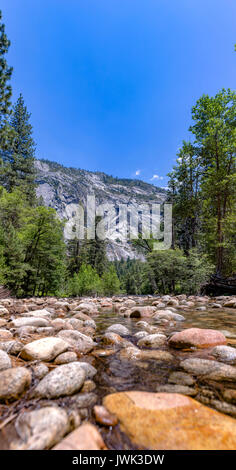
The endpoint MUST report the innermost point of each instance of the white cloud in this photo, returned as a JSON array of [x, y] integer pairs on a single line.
[[137, 172], [157, 177]]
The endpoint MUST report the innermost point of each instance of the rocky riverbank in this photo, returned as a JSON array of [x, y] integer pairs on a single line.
[[118, 373]]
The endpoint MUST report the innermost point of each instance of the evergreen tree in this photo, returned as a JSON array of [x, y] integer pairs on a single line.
[[215, 133], [6, 133], [183, 193], [20, 171], [96, 252], [32, 248]]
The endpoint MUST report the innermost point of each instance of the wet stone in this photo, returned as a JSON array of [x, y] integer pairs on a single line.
[[181, 378], [103, 417], [224, 354], [211, 370], [119, 329], [84, 400], [174, 388]]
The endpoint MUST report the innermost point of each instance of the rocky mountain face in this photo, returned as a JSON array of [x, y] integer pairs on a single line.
[[64, 188]]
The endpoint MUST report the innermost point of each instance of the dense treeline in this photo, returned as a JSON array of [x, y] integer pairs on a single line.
[[36, 260]]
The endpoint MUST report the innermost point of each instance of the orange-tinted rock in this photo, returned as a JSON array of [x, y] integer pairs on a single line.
[[171, 422], [197, 337], [102, 352], [103, 416], [85, 437]]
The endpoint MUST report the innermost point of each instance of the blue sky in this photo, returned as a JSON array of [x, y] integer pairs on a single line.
[[110, 83]]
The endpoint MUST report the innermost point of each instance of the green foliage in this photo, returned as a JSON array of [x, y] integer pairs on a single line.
[[130, 274], [19, 160], [110, 281], [171, 271], [5, 90], [202, 185], [88, 251], [32, 249], [215, 133], [86, 282]]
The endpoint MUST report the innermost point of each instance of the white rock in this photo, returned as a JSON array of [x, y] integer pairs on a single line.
[[44, 349]]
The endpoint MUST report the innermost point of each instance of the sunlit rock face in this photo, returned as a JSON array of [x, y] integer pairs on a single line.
[[64, 188]]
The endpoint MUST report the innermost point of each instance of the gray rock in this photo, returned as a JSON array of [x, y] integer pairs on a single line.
[[3, 311], [153, 341], [41, 429], [119, 329], [11, 347], [24, 331], [90, 323], [66, 357], [230, 395], [84, 400], [48, 330], [89, 370], [141, 334], [181, 378], [75, 323], [29, 321], [64, 380], [40, 370], [174, 388], [13, 382], [5, 361], [221, 406], [211, 370], [43, 313], [168, 315], [77, 340], [142, 324], [225, 354], [44, 349], [5, 334]]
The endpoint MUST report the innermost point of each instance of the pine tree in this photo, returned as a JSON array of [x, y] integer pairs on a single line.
[[215, 134], [20, 160], [96, 252], [6, 133]]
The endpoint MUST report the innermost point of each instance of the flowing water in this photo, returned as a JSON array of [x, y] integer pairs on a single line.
[[116, 375]]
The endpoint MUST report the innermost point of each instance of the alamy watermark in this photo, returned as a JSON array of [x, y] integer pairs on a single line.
[[121, 222]]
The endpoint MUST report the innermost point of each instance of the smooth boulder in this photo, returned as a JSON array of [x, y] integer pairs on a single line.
[[77, 340], [197, 338], [225, 354], [41, 429], [62, 381], [211, 370], [44, 349], [152, 341], [5, 361], [85, 437], [168, 421], [13, 382]]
